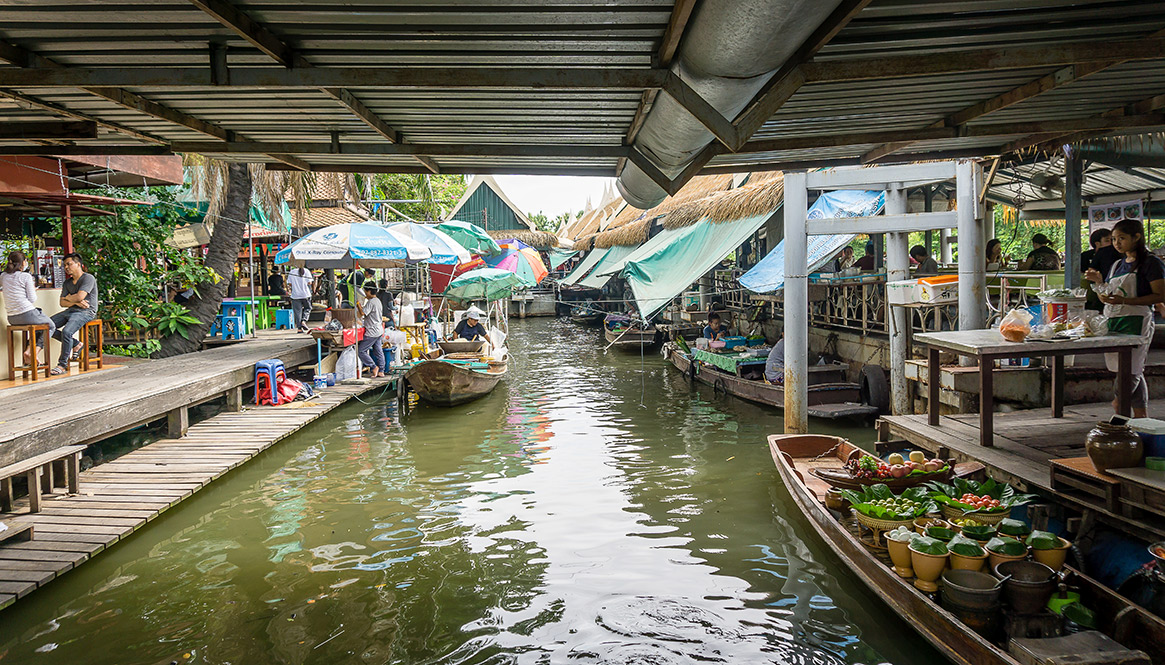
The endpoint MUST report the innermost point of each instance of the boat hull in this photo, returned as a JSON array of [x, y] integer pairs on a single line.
[[827, 399], [632, 340], [446, 384]]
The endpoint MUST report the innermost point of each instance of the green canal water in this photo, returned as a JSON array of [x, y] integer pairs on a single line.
[[593, 509]]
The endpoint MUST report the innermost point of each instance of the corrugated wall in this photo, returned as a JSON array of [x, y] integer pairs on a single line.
[[489, 211]]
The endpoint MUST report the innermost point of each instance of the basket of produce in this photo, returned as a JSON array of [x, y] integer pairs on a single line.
[[879, 510], [987, 502], [896, 472]]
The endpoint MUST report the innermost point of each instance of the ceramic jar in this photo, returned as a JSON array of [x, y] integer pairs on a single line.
[[1114, 447]]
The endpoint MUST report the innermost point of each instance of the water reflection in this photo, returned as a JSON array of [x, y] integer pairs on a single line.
[[594, 509]]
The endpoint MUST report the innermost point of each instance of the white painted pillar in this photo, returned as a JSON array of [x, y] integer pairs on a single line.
[[796, 305], [972, 248], [944, 246], [897, 318]]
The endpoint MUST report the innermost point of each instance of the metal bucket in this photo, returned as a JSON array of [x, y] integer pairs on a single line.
[[973, 597], [1027, 585]]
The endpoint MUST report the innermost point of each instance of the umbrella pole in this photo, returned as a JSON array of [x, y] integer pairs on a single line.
[[251, 267]]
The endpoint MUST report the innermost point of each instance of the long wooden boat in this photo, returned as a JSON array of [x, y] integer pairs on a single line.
[[449, 384], [632, 339], [587, 317], [796, 455], [830, 395]]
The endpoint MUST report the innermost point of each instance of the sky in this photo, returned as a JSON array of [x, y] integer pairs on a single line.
[[552, 195]]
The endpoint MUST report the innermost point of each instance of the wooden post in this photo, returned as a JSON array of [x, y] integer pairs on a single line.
[[933, 376], [33, 476], [177, 422], [235, 399], [66, 229], [73, 472], [1073, 174], [6, 495]]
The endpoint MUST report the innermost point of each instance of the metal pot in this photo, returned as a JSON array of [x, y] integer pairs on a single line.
[[973, 597], [1027, 585]]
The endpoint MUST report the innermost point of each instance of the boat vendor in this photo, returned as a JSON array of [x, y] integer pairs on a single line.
[[715, 329], [775, 365], [1131, 289], [470, 328], [371, 348]]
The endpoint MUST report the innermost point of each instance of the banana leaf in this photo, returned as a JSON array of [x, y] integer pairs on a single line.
[[926, 545], [960, 544], [1013, 527], [1005, 494], [1006, 546], [865, 502], [1043, 540]]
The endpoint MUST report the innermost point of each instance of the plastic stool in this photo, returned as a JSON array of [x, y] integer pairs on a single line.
[[232, 327], [92, 339], [268, 374], [28, 333], [283, 319], [216, 327]]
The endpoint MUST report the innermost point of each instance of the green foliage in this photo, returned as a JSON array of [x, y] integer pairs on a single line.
[[964, 546], [128, 254], [1004, 493], [932, 546], [544, 223], [173, 318], [143, 350], [1043, 540], [1006, 547], [420, 197], [979, 531], [879, 501], [1012, 527]]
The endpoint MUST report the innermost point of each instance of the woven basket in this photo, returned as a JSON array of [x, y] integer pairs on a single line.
[[880, 524], [952, 513]]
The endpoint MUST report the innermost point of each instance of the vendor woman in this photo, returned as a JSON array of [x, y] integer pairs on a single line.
[[1135, 285], [470, 327], [715, 329]]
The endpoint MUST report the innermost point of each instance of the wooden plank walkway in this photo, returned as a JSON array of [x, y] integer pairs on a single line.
[[123, 495], [39, 417]]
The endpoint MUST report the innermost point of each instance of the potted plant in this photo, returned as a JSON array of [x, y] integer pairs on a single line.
[[1049, 549], [1001, 550], [966, 554], [928, 557]]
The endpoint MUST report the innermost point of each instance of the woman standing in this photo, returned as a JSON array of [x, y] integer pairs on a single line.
[[19, 291], [1134, 285]]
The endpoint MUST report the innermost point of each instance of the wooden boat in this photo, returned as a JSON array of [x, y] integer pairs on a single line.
[[448, 384], [632, 339], [461, 346], [586, 317], [797, 455], [830, 395]]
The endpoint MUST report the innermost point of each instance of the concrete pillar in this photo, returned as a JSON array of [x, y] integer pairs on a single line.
[[879, 251], [1073, 174], [972, 247], [897, 318], [705, 299], [796, 305], [944, 246]]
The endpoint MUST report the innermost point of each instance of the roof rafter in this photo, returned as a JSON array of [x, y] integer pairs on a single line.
[[681, 13]]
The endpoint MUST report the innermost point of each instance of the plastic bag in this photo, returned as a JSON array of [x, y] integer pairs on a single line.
[[1016, 325], [348, 366]]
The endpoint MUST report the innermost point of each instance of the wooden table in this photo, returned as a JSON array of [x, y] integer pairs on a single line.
[[989, 346]]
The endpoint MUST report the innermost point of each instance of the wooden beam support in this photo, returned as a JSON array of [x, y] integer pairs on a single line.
[[790, 77], [693, 168], [49, 129], [708, 116], [681, 13], [366, 167], [294, 162], [1051, 140], [410, 149], [651, 170], [429, 163], [645, 102], [53, 107], [149, 107], [361, 111], [247, 28]]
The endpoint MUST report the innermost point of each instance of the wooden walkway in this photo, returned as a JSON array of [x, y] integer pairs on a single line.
[[40, 417], [121, 496]]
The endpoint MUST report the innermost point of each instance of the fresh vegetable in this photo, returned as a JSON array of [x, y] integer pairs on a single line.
[[1006, 546], [964, 546], [932, 546], [986, 497], [902, 535], [942, 533], [1043, 540], [869, 466], [1012, 527], [879, 502]]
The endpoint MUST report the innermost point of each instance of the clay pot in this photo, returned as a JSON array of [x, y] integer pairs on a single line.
[[1053, 558], [1114, 447], [900, 556], [1028, 586], [994, 559], [920, 524], [927, 569], [960, 562], [835, 501]]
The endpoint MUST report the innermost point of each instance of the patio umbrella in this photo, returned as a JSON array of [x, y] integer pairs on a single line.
[[525, 263], [470, 236], [345, 245], [483, 284], [446, 250]]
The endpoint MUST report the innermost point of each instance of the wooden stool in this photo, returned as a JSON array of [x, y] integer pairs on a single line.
[[92, 336], [28, 333]]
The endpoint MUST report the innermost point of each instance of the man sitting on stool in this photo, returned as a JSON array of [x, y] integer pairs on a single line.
[[470, 327], [79, 295]]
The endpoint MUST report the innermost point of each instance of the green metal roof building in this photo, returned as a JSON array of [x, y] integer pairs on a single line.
[[486, 205]]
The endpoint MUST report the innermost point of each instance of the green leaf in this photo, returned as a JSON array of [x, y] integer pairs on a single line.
[[965, 546], [979, 531], [940, 532], [1012, 527], [927, 545], [1006, 546], [1043, 540], [1080, 615]]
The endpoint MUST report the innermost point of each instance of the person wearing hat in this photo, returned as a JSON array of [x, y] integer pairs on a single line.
[[1042, 257], [372, 316], [470, 328]]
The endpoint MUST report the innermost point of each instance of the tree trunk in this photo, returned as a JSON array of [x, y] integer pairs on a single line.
[[223, 252]]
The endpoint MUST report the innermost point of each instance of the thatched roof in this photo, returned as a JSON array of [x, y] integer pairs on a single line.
[[535, 239], [592, 221], [628, 235], [696, 189], [762, 194]]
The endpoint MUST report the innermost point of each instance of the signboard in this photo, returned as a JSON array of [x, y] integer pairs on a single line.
[[191, 235], [1106, 216]]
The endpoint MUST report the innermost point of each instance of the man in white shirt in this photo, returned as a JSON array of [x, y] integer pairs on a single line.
[[300, 285]]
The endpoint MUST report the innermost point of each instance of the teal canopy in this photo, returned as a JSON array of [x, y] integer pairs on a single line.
[[560, 256], [470, 236], [483, 284], [583, 268], [600, 275], [667, 270], [658, 240]]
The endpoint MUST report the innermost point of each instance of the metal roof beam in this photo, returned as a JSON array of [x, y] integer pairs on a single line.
[[521, 78], [1124, 159], [381, 149], [48, 129], [1047, 140]]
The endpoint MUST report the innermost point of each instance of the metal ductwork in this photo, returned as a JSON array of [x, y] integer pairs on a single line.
[[729, 52]]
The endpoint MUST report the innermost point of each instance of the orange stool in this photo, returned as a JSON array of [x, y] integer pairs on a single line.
[[28, 333], [92, 337]]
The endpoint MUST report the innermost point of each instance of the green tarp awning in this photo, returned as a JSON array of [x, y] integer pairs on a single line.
[[601, 274], [658, 240], [665, 272], [583, 268], [560, 256]]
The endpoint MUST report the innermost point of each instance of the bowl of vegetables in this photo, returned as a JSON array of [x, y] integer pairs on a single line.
[[879, 509], [987, 502], [896, 471]]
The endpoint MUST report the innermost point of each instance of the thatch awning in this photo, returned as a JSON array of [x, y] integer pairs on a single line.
[[537, 239]]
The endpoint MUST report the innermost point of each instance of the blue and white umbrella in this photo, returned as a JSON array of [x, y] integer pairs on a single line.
[[446, 251], [345, 245]]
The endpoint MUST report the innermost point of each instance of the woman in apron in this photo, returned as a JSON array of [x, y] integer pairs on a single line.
[[1135, 284]]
